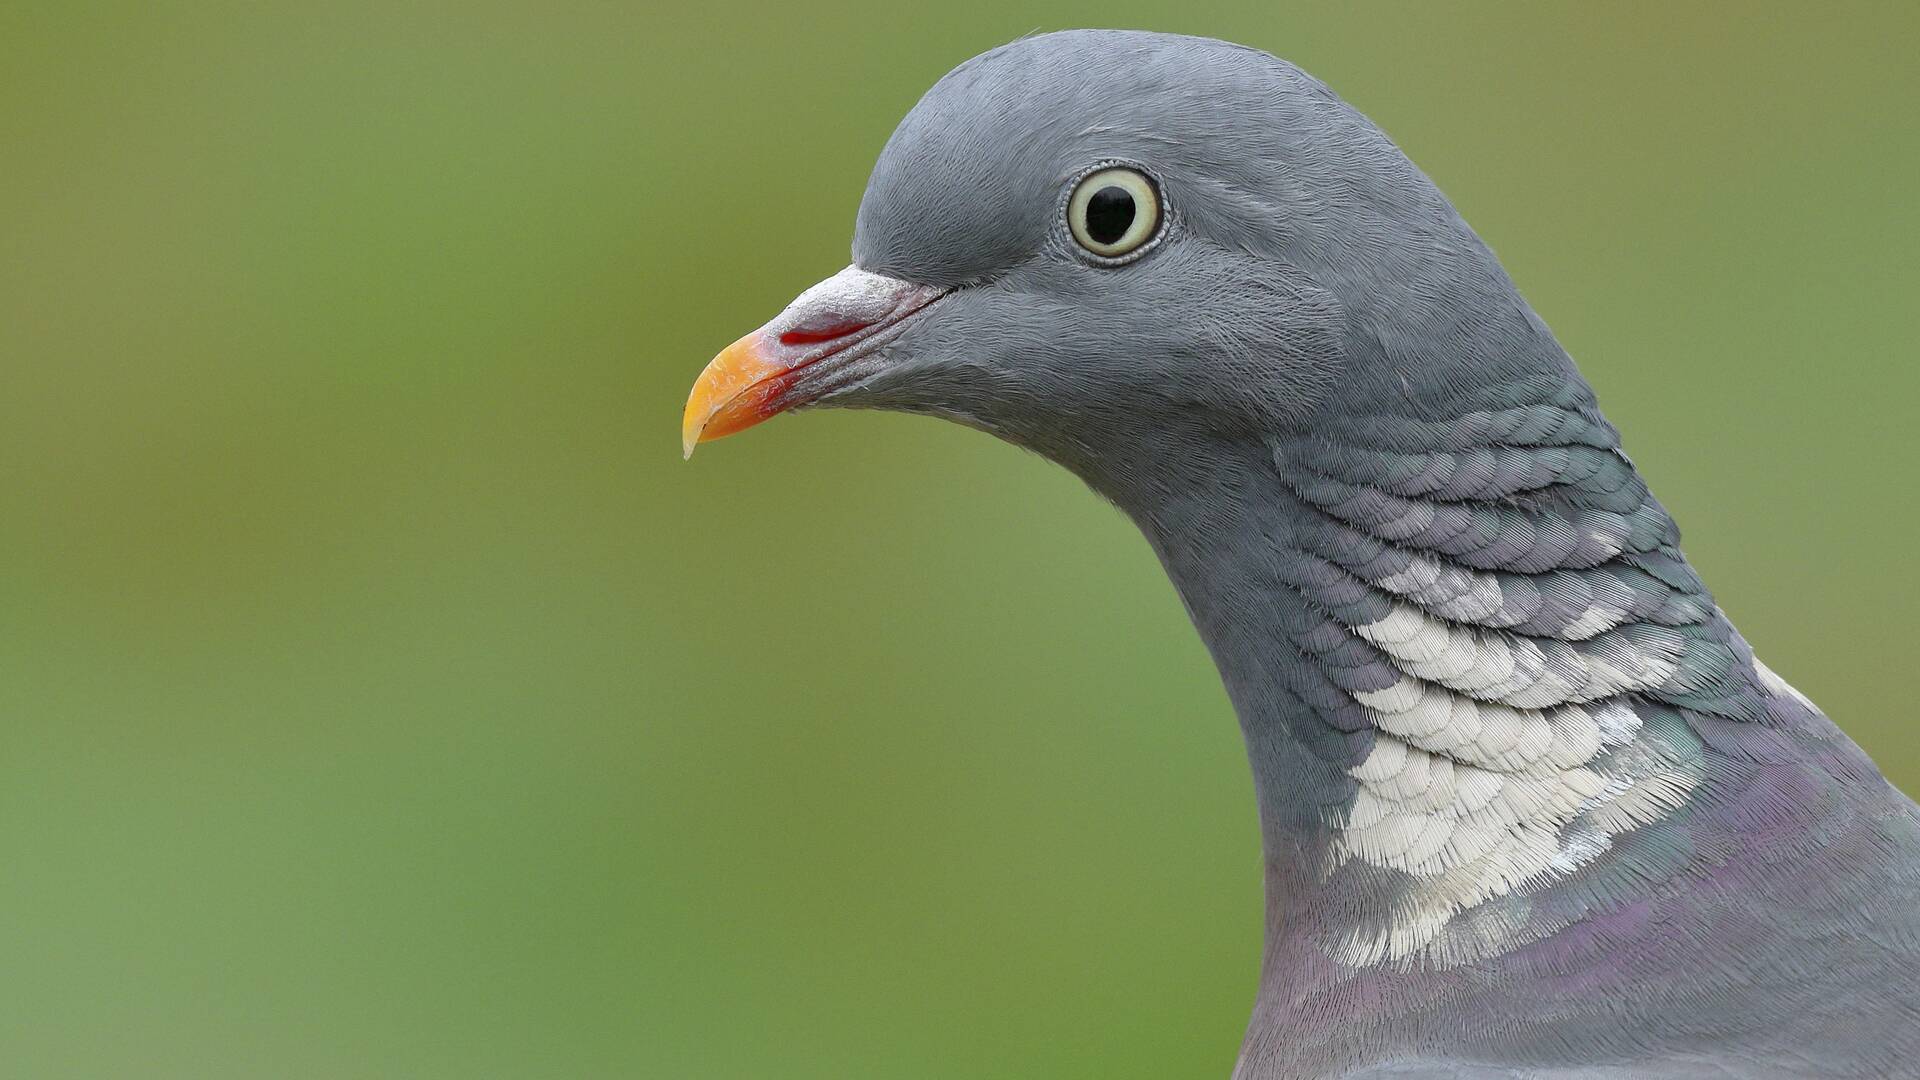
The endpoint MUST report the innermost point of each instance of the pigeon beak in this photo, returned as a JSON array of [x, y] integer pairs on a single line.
[[848, 315]]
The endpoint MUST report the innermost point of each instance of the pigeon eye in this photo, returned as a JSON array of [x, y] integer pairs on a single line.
[[1113, 212]]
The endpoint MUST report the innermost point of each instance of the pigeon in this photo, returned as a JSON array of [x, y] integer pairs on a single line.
[[1530, 806]]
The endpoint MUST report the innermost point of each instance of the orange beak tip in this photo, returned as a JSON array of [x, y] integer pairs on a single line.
[[730, 395], [691, 426]]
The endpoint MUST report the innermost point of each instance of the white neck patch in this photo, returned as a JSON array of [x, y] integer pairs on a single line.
[[1501, 763]]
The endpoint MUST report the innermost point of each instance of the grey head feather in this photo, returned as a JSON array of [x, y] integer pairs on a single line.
[[1530, 806]]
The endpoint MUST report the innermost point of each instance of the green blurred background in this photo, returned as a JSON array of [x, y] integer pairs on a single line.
[[382, 697]]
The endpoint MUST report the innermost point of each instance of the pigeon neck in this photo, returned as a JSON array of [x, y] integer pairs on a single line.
[[1222, 533], [1220, 526], [1454, 646]]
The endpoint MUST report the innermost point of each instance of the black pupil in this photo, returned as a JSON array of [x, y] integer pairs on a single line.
[[1109, 214]]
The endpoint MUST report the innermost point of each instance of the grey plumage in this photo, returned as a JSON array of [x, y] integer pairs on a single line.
[[1530, 805]]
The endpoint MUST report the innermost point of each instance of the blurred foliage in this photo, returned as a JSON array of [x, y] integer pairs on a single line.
[[382, 697]]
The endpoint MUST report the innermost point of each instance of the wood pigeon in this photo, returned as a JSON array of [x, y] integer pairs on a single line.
[[1530, 805]]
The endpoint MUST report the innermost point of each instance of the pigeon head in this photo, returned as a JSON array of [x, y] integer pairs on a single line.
[[1111, 246]]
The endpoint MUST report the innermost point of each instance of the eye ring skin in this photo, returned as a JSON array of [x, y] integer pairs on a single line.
[[1151, 213]]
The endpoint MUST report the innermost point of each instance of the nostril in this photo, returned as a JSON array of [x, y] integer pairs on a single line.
[[826, 330]]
